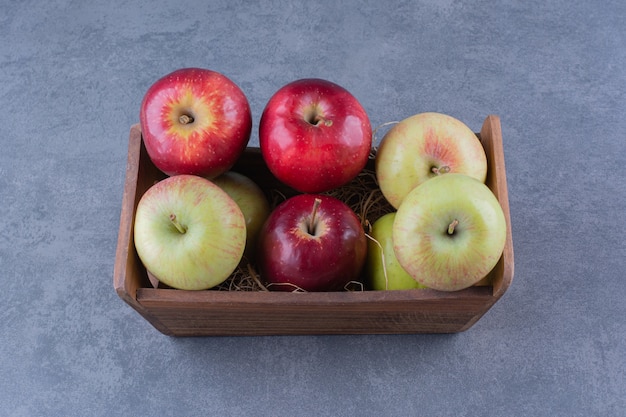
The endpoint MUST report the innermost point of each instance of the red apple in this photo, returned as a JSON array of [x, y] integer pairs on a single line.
[[314, 135], [195, 121], [311, 242]]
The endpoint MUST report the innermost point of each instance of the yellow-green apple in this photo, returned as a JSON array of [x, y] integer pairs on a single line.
[[423, 146], [311, 242], [251, 200], [449, 232], [384, 272], [314, 135], [189, 233], [195, 121]]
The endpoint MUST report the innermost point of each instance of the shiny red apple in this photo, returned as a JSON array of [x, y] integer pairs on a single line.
[[312, 243], [314, 135], [195, 121]]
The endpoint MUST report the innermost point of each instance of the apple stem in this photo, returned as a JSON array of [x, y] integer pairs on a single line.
[[452, 225], [441, 170], [319, 119], [182, 229], [316, 119], [185, 119], [313, 220]]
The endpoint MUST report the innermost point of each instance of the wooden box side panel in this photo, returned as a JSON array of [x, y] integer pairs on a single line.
[[491, 139], [129, 273], [321, 313], [125, 263]]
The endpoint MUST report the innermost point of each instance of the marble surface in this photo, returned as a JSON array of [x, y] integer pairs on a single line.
[[72, 76]]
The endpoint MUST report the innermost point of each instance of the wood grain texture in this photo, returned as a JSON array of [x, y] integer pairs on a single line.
[[491, 139], [217, 313]]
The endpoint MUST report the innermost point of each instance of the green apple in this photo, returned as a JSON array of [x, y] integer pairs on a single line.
[[384, 272], [424, 146], [252, 202], [449, 232], [189, 233]]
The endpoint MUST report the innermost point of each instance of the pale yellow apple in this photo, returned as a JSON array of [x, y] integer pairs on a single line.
[[449, 232], [383, 269], [423, 146], [251, 200], [189, 233]]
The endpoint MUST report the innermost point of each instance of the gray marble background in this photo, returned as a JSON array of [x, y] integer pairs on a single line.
[[72, 75]]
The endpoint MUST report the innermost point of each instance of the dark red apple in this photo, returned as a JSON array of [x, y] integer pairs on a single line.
[[314, 135], [311, 242], [195, 121]]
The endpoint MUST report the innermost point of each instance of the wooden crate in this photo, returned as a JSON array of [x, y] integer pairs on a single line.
[[212, 313]]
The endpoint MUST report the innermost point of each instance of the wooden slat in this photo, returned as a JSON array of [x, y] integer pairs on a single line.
[[491, 138], [263, 313]]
